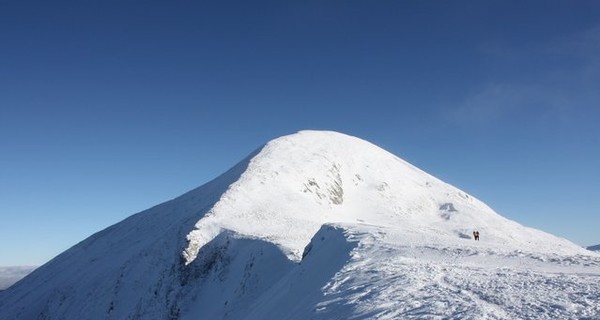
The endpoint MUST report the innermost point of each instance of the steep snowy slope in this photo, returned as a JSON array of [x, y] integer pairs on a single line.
[[315, 225], [310, 178]]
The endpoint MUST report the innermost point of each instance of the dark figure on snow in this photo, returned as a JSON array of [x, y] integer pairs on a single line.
[[476, 235]]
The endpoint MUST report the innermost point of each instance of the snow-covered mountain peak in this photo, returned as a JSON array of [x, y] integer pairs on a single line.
[[315, 225], [297, 183]]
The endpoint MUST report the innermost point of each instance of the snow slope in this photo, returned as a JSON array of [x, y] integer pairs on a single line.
[[315, 225]]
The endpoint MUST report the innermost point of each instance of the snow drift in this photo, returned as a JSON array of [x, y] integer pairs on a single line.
[[315, 225]]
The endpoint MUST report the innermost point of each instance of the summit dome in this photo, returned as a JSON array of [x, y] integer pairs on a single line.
[[315, 225]]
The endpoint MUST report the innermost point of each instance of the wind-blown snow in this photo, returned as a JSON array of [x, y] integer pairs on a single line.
[[315, 225]]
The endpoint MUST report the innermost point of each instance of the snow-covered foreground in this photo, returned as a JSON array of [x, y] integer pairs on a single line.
[[315, 225], [385, 279], [372, 272]]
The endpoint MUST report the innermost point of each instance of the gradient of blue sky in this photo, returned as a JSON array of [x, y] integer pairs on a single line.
[[110, 107]]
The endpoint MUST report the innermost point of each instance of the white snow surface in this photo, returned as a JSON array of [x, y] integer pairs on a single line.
[[315, 225]]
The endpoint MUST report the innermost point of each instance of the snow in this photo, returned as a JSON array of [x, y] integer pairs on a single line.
[[388, 280], [312, 178], [315, 225]]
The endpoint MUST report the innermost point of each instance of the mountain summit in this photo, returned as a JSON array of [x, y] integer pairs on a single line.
[[299, 182], [315, 225]]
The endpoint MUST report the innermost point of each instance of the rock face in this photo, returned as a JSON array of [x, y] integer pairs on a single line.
[[315, 225]]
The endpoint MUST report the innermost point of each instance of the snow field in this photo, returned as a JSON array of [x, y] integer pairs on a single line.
[[386, 280]]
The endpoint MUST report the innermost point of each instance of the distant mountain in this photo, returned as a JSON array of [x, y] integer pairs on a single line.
[[594, 248], [10, 275], [315, 225]]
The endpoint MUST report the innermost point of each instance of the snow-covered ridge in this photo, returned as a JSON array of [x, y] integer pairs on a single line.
[[297, 183], [315, 225]]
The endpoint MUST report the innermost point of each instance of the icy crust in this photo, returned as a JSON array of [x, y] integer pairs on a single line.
[[297, 183]]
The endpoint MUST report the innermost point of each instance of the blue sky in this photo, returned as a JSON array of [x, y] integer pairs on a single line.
[[110, 107]]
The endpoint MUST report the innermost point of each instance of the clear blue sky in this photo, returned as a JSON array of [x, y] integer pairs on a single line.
[[110, 107]]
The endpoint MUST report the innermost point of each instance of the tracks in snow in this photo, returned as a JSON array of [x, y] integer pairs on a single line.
[[389, 281]]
